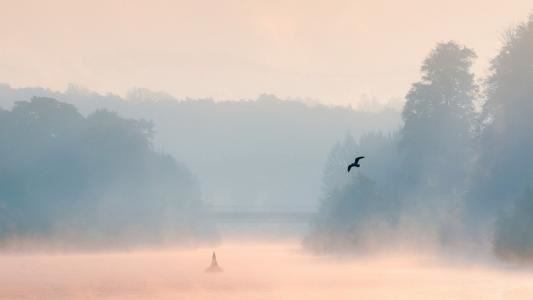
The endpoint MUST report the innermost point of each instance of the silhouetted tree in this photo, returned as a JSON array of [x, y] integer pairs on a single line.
[[505, 169], [416, 179], [506, 142], [435, 140]]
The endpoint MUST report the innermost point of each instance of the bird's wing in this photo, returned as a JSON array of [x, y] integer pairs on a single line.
[[350, 166], [359, 158]]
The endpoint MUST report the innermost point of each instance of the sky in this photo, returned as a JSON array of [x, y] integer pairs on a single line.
[[336, 52]]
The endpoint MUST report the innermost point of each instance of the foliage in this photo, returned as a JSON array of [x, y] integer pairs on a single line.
[[92, 179]]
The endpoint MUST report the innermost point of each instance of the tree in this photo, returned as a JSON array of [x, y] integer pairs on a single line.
[[514, 238], [435, 140], [506, 142], [340, 155], [357, 205], [93, 181]]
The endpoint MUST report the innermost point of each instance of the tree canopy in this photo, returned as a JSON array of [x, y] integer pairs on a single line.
[[91, 179]]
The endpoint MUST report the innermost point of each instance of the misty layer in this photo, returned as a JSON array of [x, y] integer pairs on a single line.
[[261, 154], [453, 176], [90, 181]]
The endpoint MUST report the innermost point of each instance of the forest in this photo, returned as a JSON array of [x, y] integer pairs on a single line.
[[456, 176], [70, 180]]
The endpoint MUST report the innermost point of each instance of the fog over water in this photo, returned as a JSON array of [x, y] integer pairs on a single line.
[[254, 270]]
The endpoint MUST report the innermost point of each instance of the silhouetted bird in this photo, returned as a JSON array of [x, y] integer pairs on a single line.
[[355, 163]]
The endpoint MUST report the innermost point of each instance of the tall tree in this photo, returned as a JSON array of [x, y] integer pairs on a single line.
[[436, 137], [506, 143]]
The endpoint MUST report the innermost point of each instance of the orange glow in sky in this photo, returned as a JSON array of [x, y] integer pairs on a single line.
[[334, 51]]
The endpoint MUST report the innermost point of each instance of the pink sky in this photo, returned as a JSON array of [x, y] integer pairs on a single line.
[[334, 51]]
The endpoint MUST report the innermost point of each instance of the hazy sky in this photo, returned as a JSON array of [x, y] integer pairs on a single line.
[[334, 50]]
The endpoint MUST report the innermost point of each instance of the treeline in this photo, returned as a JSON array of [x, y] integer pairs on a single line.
[[91, 181], [259, 154], [456, 175]]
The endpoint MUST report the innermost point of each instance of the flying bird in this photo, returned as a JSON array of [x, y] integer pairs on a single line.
[[355, 163]]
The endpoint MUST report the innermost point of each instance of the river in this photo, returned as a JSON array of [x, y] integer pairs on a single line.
[[252, 270]]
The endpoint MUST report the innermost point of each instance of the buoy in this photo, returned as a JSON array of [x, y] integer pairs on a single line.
[[214, 268]]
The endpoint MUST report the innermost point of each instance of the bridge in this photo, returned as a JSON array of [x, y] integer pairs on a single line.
[[263, 216]]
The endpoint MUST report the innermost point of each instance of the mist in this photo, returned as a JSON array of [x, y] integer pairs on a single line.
[[242, 151], [93, 181], [133, 195], [454, 177]]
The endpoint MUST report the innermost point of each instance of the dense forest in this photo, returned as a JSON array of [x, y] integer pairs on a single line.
[[88, 181], [456, 175]]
